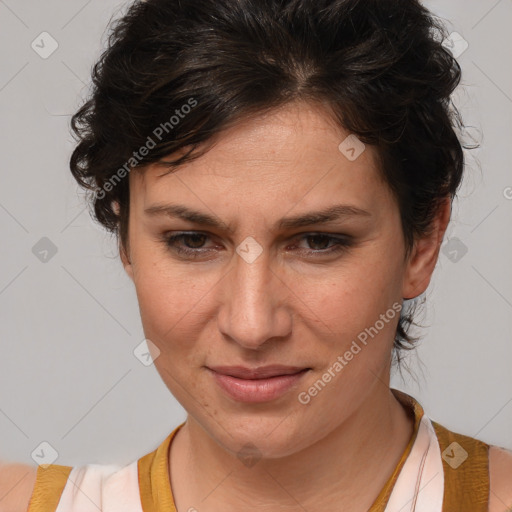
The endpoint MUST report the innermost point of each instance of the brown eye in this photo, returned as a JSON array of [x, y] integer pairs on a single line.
[[322, 244], [318, 240], [187, 244], [193, 244], [197, 240]]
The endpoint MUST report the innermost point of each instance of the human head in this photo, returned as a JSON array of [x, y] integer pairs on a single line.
[[196, 67]]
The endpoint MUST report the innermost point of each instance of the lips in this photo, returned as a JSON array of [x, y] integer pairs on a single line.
[[257, 385], [262, 372]]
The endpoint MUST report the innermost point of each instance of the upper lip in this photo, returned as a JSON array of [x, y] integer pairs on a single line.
[[262, 372]]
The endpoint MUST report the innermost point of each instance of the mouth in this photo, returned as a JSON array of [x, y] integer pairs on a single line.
[[259, 384], [262, 372]]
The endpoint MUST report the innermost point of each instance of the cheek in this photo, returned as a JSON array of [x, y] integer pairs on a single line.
[[356, 296], [170, 308], [361, 308], [171, 311], [170, 301]]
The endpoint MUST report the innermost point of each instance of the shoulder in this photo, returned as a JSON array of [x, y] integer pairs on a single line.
[[476, 473], [16, 484], [25, 488], [500, 474]]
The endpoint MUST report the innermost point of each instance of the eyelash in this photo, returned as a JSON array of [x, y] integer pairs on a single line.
[[169, 241]]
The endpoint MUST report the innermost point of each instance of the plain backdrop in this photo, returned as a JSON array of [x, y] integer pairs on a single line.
[[69, 320]]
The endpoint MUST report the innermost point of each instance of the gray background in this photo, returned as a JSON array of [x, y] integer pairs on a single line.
[[68, 326]]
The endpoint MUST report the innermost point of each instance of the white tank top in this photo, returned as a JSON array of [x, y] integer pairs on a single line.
[[109, 488]]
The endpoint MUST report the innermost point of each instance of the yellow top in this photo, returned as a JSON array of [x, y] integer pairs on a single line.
[[466, 487]]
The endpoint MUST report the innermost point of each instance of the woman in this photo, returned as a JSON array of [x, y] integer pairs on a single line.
[[280, 174]]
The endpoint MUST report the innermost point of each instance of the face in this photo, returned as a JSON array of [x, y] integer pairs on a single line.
[[257, 289]]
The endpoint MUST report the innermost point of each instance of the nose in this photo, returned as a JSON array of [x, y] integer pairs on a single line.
[[254, 306]]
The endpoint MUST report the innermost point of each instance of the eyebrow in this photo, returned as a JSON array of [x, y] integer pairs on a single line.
[[329, 214]]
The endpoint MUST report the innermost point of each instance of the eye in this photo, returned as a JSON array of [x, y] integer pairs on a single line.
[[327, 244], [192, 244]]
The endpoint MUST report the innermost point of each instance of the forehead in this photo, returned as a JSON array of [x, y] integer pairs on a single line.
[[295, 150]]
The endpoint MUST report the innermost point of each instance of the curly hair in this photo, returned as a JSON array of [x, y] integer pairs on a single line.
[[177, 72]]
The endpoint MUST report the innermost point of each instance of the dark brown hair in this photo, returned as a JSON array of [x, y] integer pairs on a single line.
[[177, 72]]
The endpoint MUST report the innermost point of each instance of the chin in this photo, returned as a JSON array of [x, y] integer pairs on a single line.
[[264, 438]]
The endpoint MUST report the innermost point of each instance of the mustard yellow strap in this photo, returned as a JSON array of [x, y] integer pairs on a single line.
[[414, 409], [50, 482], [154, 484], [466, 471], [145, 484]]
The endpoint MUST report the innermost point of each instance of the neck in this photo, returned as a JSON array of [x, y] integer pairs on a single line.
[[345, 470]]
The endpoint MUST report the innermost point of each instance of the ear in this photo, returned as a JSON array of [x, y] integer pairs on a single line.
[[125, 259], [423, 257], [123, 252]]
